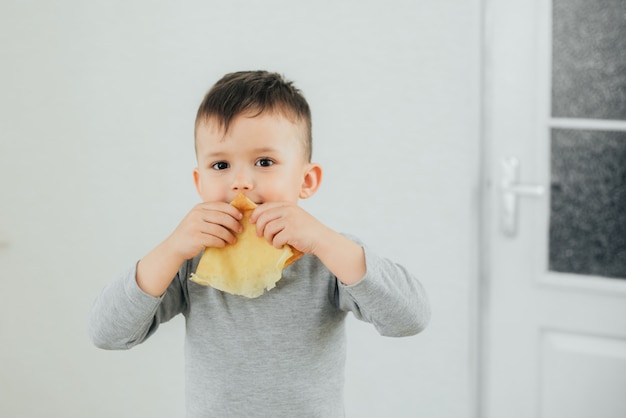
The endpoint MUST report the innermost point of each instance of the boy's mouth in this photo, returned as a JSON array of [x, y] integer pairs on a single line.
[[256, 202]]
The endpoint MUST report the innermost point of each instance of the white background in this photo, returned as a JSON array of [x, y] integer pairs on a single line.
[[97, 103]]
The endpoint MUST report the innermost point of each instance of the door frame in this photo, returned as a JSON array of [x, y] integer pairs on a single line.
[[495, 50]]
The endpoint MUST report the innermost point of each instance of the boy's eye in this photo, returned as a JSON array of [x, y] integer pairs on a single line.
[[264, 162], [220, 165]]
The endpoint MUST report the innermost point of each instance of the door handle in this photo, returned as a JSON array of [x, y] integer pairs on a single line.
[[510, 190]]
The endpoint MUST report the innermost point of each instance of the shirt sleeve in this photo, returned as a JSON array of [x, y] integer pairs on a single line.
[[388, 296], [123, 315]]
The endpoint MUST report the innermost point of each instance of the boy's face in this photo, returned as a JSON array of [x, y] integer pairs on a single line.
[[261, 157]]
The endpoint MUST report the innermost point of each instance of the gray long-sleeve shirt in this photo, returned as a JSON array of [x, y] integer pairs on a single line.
[[279, 355]]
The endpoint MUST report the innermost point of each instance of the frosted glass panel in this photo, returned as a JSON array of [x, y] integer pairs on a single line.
[[588, 203], [589, 59]]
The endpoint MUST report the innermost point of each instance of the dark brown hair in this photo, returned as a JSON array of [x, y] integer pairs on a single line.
[[256, 92]]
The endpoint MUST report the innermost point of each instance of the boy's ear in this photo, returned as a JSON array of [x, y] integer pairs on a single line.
[[196, 179], [312, 180]]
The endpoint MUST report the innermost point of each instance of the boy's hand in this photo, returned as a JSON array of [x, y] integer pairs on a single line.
[[286, 223], [209, 224]]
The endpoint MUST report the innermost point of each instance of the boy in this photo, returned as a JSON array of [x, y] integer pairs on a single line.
[[283, 353]]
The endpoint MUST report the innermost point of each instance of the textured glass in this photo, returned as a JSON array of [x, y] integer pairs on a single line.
[[588, 203], [589, 59]]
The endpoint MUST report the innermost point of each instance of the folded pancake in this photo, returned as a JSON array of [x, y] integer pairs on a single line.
[[247, 267]]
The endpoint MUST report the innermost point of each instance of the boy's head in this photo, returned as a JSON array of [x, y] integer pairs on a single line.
[[253, 136], [254, 93]]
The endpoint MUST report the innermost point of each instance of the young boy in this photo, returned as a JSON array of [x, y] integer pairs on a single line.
[[281, 354]]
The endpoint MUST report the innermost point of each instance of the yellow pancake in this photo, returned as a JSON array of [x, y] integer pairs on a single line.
[[248, 267]]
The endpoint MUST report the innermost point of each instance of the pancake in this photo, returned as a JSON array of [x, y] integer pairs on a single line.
[[248, 267]]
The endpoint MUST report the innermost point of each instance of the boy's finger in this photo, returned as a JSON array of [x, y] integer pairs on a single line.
[[224, 220], [264, 220], [217, 236], [222, 207], [271, 232], [262, 209]]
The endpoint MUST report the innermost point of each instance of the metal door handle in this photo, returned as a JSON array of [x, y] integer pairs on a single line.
[[510, 189]]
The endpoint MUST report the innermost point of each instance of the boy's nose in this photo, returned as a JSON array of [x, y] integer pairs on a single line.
[[242, 181]]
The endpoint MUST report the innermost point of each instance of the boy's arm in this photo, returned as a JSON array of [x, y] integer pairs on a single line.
[[388, 296], [341, 255], [373, 288], [131, 307], [156, 270], [123, 315]]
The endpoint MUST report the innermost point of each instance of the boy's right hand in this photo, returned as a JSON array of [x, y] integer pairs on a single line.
[[208, 224]]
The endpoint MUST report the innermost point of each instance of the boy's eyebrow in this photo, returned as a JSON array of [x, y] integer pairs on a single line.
[[223, 154], [217, 154], [264, 149]]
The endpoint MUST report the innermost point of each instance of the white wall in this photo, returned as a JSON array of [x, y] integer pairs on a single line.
[[97, 102]]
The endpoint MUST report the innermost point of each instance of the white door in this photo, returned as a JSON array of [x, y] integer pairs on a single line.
[[554, 306]]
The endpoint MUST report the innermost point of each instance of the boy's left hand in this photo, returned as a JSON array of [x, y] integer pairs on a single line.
[[287, 223]]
